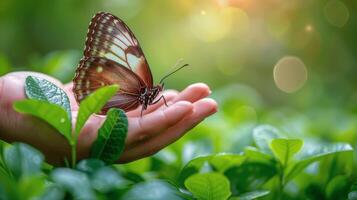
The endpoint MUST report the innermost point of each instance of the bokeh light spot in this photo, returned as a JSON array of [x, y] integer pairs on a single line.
[[336, 13], [309, 28], [290, 74]]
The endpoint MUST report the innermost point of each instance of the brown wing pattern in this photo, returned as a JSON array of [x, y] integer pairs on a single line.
[[110, 37], [96, 72]]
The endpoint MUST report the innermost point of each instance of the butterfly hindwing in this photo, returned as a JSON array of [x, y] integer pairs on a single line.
[[96, 72], [110, 37]]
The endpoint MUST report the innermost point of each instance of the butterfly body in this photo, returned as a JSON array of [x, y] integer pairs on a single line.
[[112, 55]]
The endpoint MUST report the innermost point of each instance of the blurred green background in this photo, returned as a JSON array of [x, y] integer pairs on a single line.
[[224, 41], [291, 64], [294, 56]]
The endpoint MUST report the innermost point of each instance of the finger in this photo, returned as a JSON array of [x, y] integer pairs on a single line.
[[202, 109], [141, 128], [194, 93], [168, 94]]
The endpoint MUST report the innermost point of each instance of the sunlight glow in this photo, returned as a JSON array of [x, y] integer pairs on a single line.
[[213, 24]]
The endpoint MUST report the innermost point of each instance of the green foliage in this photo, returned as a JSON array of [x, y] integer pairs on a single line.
[[262, 163], [263, 135], [51, 104], [93, 104], [111, 137], [220, 162], [74, 182], [316, 153], [209, 186], [285, 149], [251, 195], [22, 160], [153, 190], [89, 166], [41, 89], [322, 113]]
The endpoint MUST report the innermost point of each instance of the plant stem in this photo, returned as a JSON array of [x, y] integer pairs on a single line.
[[73, 154]]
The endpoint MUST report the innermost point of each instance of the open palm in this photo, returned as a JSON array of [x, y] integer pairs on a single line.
[[158, 127]]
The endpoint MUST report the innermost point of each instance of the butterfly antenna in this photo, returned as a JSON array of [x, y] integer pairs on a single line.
[[169, 74]]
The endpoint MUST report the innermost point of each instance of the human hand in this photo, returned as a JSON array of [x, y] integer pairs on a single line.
[[158, 127]]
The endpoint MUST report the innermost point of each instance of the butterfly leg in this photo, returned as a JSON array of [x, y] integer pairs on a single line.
[[162, 97], [141, 113]]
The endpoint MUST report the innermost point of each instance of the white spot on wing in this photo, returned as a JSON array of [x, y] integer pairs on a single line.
[[133, 61], [117, 51], [99, 69], [116, 59]]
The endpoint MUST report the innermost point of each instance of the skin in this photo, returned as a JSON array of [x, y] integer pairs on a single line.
[[157, 128]]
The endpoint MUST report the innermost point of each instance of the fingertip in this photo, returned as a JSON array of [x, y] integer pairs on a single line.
[[203, 86], [200, 87], [212, 104], [205, 107], [194, 92]]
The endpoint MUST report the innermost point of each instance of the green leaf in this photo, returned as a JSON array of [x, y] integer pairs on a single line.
[[75, 182], [8, 188], [285, 149], [31, 187], [106, 179], [209, 186], [53, 192], [50, 113], [111, 137], [263, 135], [251, 195], [23, 160], [153, 190], [93, 104], [41, 89], [315, 153], [250, 176], [337, 187], [89, 166], [253, 154], [220, 162]]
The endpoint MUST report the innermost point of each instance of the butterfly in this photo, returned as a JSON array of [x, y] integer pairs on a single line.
[[112, 55]]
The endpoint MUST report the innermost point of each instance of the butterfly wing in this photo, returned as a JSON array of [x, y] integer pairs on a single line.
[[95, 72], [110, 37]]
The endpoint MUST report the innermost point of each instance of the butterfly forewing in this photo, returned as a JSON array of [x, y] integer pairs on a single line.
[[96, 72], [110, 38]]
